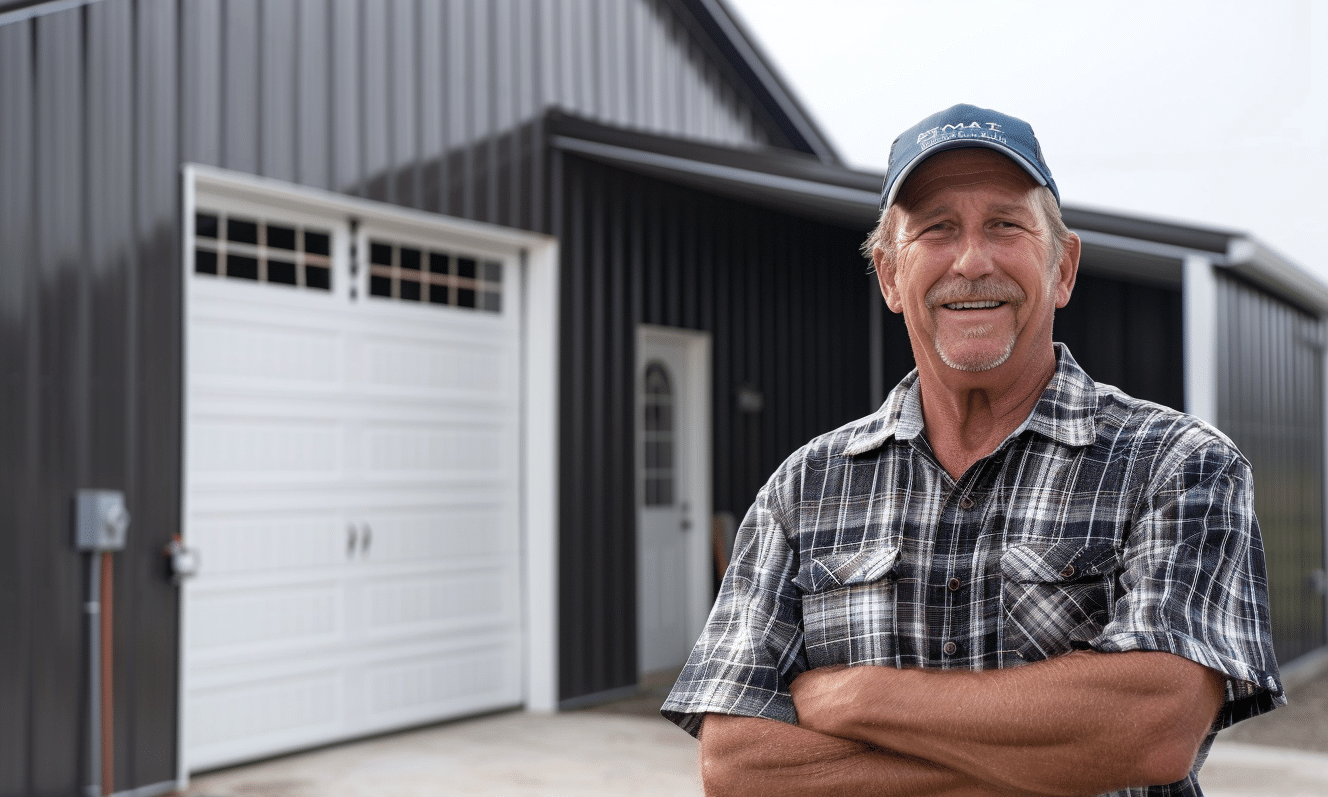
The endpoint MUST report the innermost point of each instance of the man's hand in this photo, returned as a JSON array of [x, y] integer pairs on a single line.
[[1081, 724]]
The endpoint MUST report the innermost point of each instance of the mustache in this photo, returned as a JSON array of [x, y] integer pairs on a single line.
[[985, 289]]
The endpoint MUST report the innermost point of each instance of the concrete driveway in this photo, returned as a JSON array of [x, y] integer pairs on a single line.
[[597, 754]]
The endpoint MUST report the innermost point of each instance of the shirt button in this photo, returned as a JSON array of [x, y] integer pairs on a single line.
[[950, 648], [1068, 572], [954, 584], [966, 503]]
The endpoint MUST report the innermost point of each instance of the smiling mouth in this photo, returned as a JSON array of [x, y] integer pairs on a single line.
[[973, 305]]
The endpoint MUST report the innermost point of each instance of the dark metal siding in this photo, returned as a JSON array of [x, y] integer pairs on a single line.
[[370, 96], [1128, 335], [1270, 401], [428, 105], [89, 334], [786, 303]]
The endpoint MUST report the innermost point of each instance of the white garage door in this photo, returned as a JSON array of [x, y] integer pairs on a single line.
[[352, 479]]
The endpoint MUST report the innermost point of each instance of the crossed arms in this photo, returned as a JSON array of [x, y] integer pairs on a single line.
[[1080, 724]]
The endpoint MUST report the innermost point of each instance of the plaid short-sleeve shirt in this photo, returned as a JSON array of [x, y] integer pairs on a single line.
[[1103, 522]]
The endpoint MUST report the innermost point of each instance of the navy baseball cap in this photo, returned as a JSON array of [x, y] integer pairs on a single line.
[[961, 127]]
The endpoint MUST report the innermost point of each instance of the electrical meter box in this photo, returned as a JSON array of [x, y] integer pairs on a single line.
[[100, 520]]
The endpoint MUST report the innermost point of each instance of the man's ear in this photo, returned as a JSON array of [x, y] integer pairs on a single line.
[[885, 276], [1068, 270]]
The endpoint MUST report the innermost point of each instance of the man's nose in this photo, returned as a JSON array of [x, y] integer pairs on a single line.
[[974, 258]]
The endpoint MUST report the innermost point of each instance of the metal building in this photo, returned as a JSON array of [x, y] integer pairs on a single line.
[[443, 332]]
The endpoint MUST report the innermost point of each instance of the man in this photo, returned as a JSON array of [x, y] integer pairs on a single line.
[[1009, 579]]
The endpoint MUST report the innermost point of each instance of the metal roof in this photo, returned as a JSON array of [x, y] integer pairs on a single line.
[[732, 44], [1131, 246]]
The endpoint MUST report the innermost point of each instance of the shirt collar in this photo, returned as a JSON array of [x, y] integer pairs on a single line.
[[1065, 412]]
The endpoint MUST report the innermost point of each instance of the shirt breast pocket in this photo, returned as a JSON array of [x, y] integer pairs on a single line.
[[1056, 593], [848, 606]]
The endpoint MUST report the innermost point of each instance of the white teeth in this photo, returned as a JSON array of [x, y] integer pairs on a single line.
[[973, 305]]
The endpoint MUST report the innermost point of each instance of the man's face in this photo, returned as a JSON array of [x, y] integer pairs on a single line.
[[972, 274]]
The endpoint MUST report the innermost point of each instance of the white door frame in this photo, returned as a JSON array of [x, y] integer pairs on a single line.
[[694, 458], [538, 258]]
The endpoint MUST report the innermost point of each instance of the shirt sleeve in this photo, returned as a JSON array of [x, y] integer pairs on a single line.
[[1194, 582], [751, 647]]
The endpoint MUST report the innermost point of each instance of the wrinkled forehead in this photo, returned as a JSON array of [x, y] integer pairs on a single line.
[[965, 169]]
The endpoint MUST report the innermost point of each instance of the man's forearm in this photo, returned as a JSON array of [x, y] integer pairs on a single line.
[[1083, 723], [753, 756]]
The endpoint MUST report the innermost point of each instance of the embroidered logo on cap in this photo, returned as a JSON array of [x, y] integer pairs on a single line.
[[938, 135]]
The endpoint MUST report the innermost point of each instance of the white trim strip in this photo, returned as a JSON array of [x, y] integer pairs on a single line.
[[1199, 314], [712, 171], [42, 10]]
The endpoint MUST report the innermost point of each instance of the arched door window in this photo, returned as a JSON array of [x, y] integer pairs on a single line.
[[659, 436]]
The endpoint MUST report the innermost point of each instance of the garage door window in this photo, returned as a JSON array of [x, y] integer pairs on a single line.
[[438, 277], [262, 250]]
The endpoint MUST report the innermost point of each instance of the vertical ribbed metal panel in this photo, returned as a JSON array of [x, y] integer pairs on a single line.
[[59, 329], [1128, 335], [434, 105], [785, 301], [424, 104], [153, 374], [19, 548], [89, 199], [1270, 401]]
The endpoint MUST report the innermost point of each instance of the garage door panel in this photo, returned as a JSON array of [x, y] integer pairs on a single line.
[[413, 689], [265, 622], [271, 541], [401, 448], [462, 366], [230, 722], [227, 405], [443, 534], [249, 301], [264, 445], [269, 353], [216, 497], [352, 481], [438, 602]]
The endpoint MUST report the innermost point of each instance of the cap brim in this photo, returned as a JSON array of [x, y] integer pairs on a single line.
[[961, 143]]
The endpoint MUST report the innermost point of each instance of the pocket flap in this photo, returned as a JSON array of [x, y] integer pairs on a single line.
[[1050, 562], [841, 569]]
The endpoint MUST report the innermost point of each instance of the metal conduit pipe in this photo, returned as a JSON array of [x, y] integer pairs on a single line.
[[101, 682], [100, 523], [107, 615], [93, 609]]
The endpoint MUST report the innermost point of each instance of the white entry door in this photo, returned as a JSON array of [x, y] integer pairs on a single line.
[[673, 497], [352, 479]]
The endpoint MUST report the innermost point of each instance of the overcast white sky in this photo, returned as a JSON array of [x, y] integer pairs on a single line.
[[1212, 112]]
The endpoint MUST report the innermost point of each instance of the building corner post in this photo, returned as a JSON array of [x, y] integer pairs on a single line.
[[1199, 297]]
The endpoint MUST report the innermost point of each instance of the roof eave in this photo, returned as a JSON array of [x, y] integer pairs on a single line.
[[774, 99], [1260, 264], [1146, 250]]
